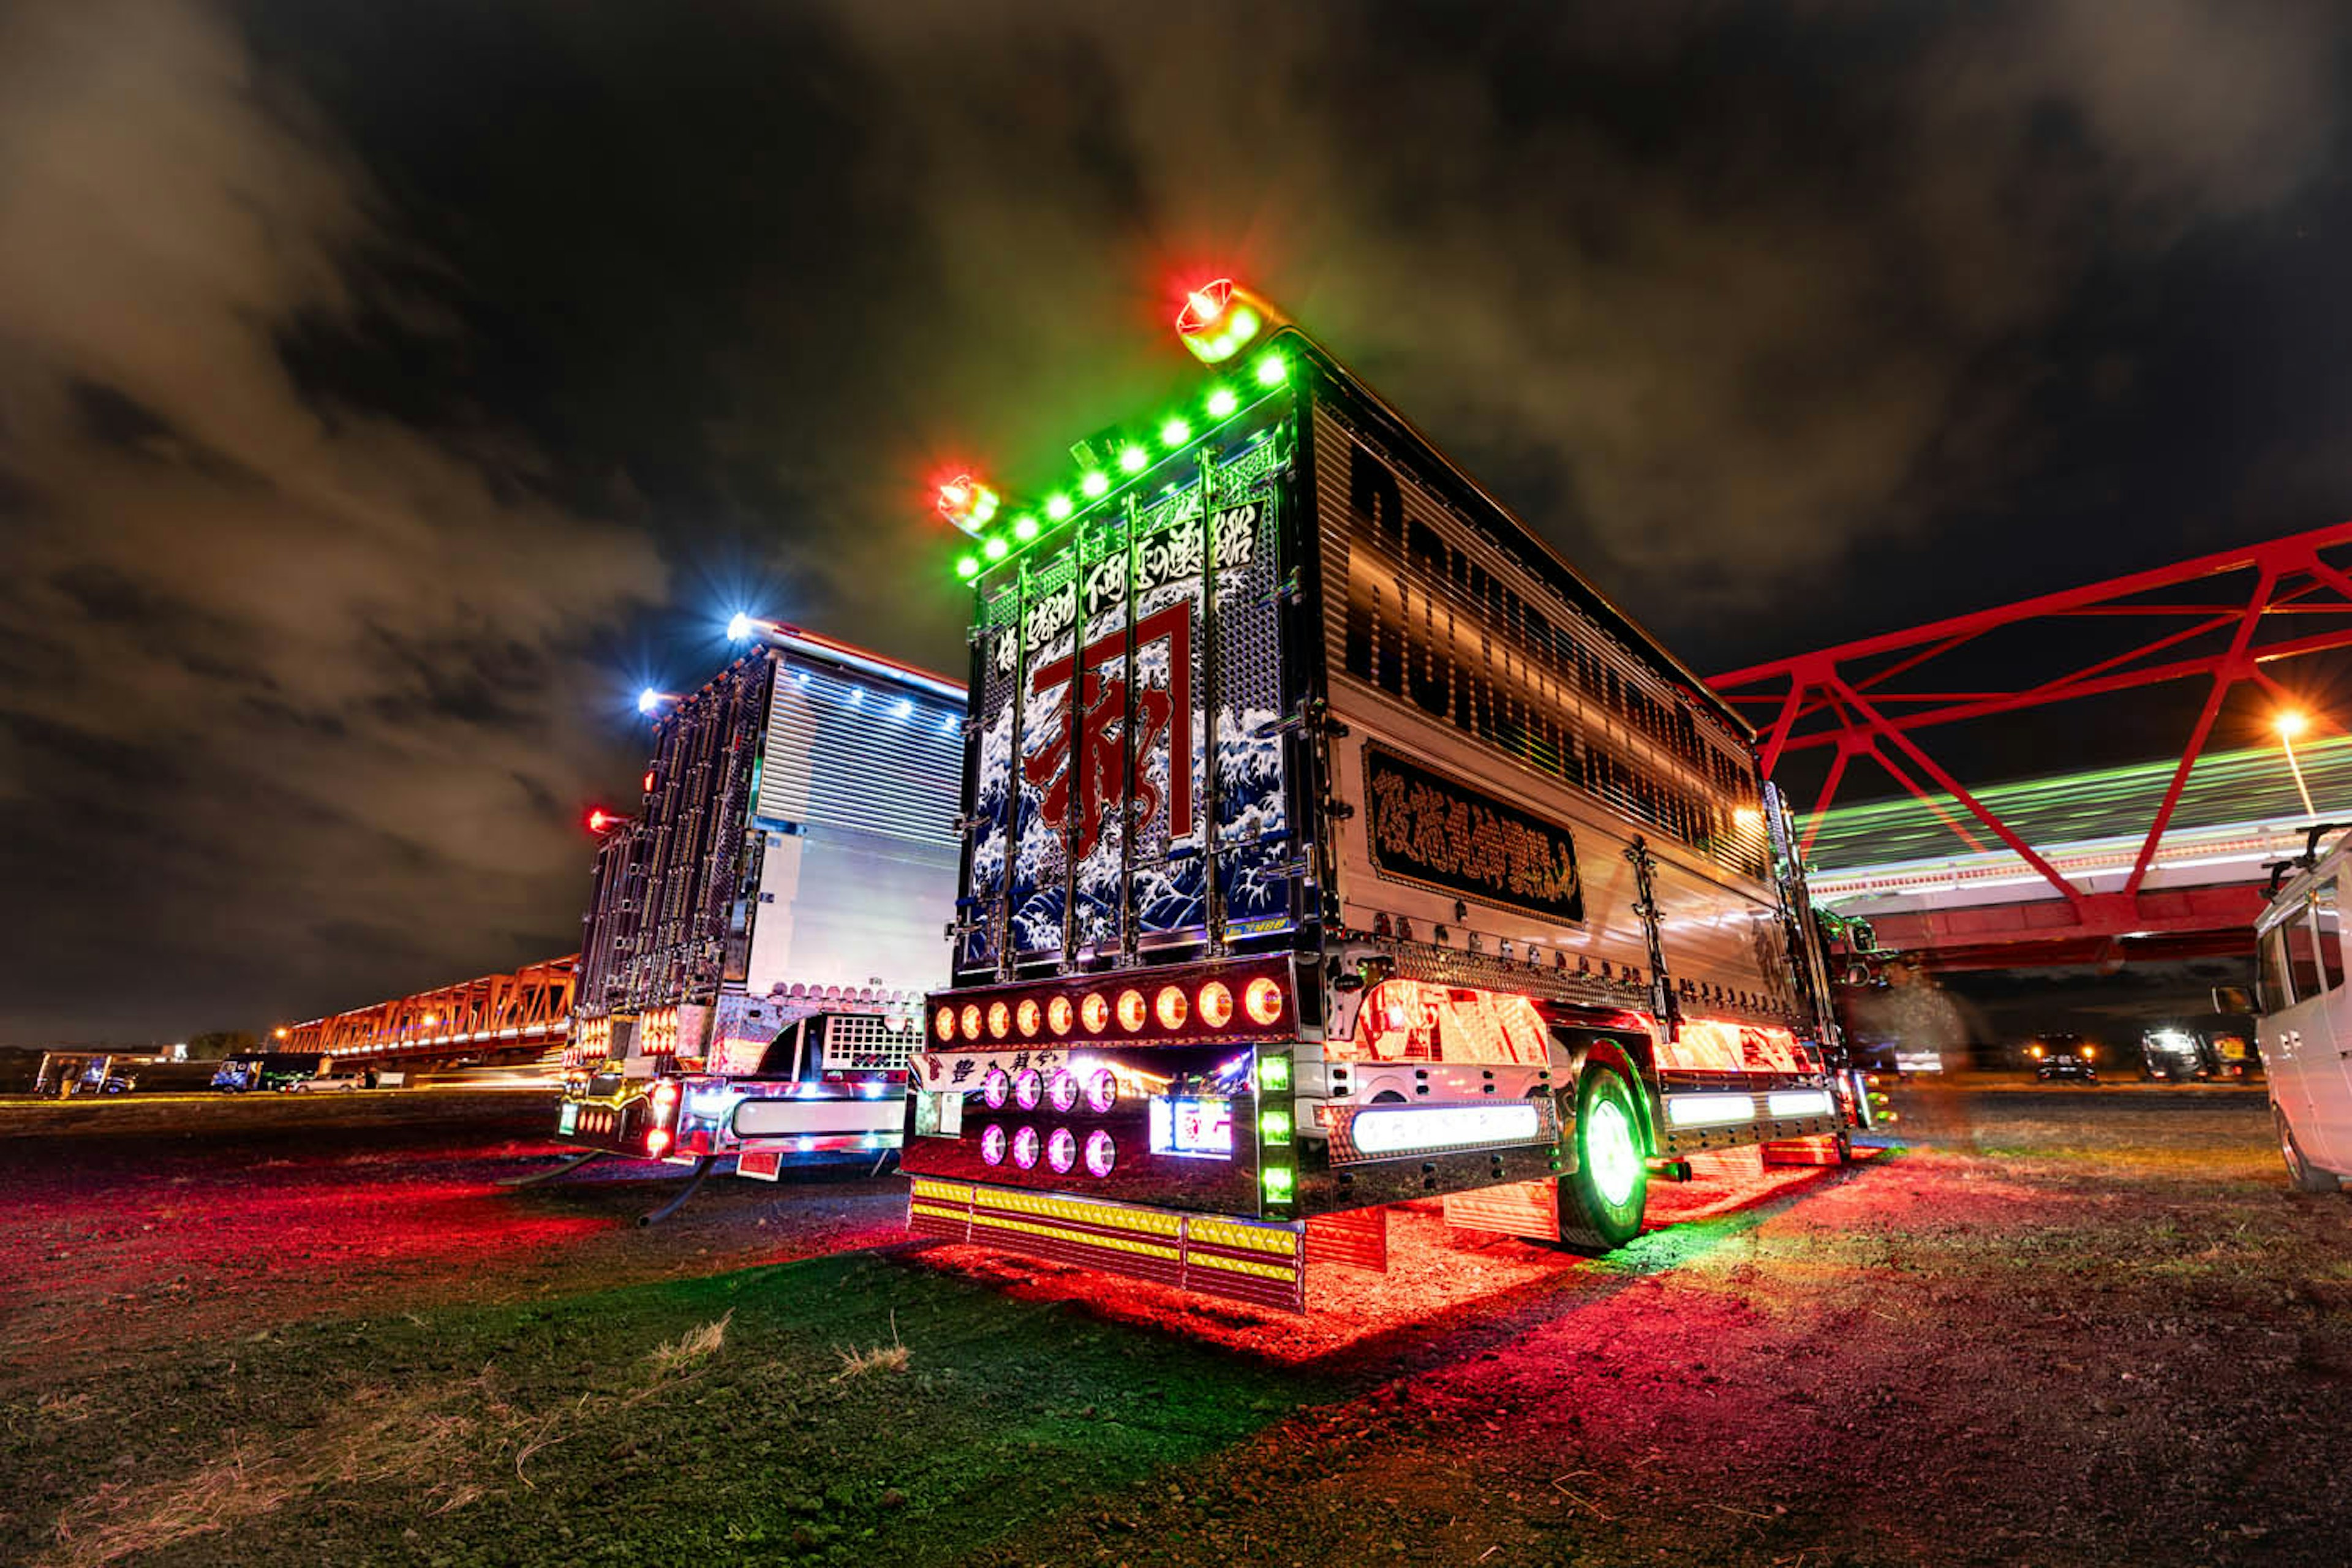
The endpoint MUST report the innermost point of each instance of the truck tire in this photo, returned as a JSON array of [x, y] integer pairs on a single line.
[[1600, 1206], [2307, 1176]]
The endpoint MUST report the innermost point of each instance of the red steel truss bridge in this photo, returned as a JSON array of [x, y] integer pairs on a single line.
[[2162, 860], [515, 1017]]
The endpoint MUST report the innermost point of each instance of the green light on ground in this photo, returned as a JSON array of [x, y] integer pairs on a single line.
[[1093, 484], [1222, 402], [1279, 1182], [1024, 528], [995, 548], [1274, 1126], [968, 567], [1058, 506], [1272, 371], [1134, 460], [1175, 433], [1274, 1073]]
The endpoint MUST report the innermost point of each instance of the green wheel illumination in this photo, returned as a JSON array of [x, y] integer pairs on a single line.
[[1610, 1143], [1601, 1202]]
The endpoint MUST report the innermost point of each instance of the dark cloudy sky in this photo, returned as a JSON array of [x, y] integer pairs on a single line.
[[387, 391]]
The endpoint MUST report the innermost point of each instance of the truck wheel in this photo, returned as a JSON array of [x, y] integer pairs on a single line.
[[2307, 1176], [1600, 1206]]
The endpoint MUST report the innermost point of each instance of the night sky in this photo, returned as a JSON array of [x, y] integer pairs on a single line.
[[387, 392]]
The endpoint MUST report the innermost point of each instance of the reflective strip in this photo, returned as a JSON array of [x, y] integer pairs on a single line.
[[951, 1190], [937, 1212], [1240, 1266], [1078, 1237], [1147, 1220], [1250, 1237]]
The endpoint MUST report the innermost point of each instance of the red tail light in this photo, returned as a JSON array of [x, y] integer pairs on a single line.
[[658, 1142], [1263, 1002]]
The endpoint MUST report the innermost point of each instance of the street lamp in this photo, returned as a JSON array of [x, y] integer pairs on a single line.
[[2290, 725]]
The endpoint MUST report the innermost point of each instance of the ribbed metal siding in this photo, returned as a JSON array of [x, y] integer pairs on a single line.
[[843, 750]]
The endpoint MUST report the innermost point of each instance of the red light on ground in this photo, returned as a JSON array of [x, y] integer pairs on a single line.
[[601, 821]]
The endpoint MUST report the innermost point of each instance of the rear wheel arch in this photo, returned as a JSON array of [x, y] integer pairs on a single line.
[[1632, 1055]]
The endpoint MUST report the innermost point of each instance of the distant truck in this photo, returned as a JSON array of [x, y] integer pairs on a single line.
[[1331, 843], [758, 933]]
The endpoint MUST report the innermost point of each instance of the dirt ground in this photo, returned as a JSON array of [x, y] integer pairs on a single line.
[[2074, 1326]]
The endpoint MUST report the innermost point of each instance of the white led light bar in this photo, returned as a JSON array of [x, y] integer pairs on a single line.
[[1445, 1127], [1791, 1103], [1709, 1109]]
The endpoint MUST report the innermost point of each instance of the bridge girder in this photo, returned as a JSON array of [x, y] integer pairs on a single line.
[[529, 1008], [2243, 610]]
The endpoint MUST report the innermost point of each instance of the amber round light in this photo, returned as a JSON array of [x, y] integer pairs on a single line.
[[971, 1021], [1169, 1007], [1094, 1012], [1000, 1019], [1216, 1005], [1026, 1016], [1130, 1011], [1263, 1000], [947, 1023], [1058, 1014]]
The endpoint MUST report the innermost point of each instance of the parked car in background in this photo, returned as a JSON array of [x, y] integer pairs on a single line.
[[2214, 1046], [325, 1082], [2063, 1057]]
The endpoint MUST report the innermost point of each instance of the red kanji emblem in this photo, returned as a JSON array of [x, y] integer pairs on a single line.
[[1163, 717]]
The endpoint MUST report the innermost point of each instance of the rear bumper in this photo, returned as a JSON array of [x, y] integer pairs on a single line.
[[1221, 1255], [711, 1117]]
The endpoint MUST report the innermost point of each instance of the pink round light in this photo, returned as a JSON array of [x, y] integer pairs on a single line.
[[1102, 1091], [994, 1087], [1024, 1148], [1061, 1149], [991, 1145], [1102, 1154], [1062, 1091], [1028, 1086]]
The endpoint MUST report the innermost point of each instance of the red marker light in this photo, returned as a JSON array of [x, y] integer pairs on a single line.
[[967, 503], [600, 821], [1216, 320], [1203, 305]]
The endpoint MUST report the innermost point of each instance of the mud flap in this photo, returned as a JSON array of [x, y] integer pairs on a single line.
[[1526, 1209], [1358, 1238]]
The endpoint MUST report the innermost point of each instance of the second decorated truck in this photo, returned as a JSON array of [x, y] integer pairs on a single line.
[[1329, 842]]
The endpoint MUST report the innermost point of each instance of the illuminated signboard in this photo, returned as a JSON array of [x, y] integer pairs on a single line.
[[1435, 832]]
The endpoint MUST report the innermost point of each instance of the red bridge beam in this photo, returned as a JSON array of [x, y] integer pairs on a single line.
[[1868, 697], [2184, 922], [529, 1008]]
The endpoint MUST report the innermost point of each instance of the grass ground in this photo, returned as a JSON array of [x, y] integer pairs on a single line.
[[2063, 1329]]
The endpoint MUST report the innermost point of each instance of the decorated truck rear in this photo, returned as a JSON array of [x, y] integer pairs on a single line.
[[1327, 843], [760, 931]]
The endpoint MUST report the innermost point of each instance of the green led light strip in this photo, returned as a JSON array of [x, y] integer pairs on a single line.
[[1133, 458]]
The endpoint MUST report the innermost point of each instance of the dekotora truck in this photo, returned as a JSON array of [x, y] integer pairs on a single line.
[[761, 930], [1329, 842]]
